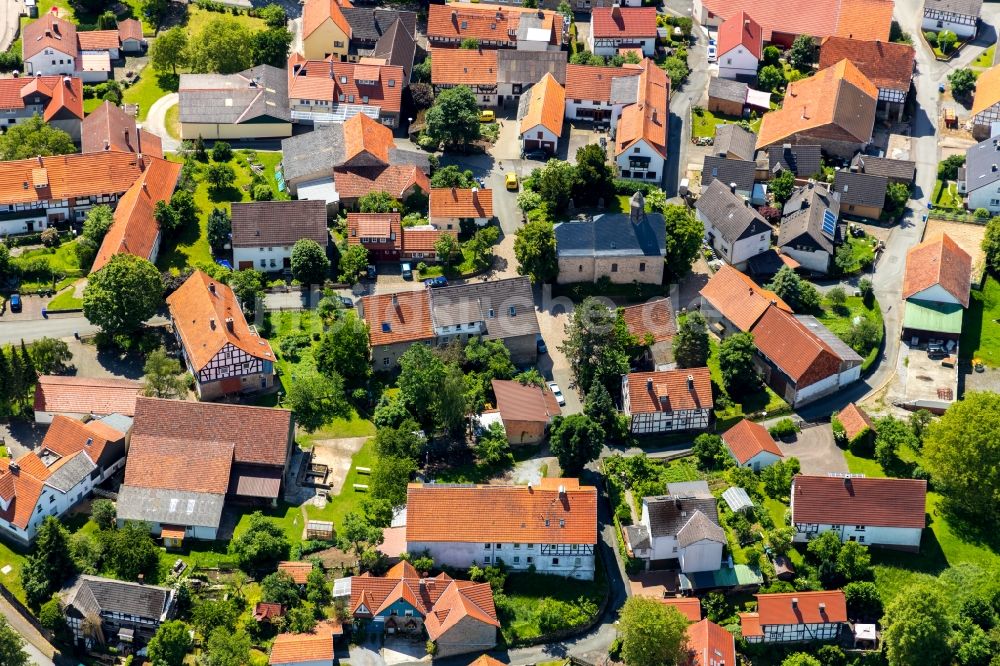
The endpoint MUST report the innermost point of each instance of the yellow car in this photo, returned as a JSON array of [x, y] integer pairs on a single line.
[[510, 180], [487, 116]]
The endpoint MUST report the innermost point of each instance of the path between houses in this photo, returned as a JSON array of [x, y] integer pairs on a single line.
[[156, 122]]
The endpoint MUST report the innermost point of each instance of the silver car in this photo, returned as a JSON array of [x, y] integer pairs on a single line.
[[557, 393]]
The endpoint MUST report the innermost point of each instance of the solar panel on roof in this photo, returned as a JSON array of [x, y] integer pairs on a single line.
[[829, 222]]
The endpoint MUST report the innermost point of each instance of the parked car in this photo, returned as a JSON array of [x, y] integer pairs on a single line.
[[15, 303], [557, 393], [539, 155], [487, 116], [370, 271], [540, 344], [510, 181], [439, 281], [348, 303], [406, 270], [713, 54]]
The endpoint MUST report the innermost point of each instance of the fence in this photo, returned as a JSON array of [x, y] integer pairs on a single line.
[[954, 215], [24, 612]]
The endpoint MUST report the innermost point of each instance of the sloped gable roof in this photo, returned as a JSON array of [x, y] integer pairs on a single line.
[[938, 261], [738, 298], [855, 420], [741, 29], [800, 354], [747, 439], [546, 105], [829, 500], [82, 395], [669, 390], [887, 64]]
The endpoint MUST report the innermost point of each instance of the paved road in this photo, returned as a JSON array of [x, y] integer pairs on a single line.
[[39, 650], [156, 121], [10, 21]]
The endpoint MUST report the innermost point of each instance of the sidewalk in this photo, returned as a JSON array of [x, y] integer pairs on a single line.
[[38, 648]]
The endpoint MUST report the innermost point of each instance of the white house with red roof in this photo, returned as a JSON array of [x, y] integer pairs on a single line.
[[878, 512], [751, 445], [53, 46], [58, 100], [613, 28], [741, 45], [795, 617], [667, 401]]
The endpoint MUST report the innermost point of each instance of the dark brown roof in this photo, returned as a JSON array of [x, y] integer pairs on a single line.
[[279, 223], [829, 500], [519, 402], [860, 189]]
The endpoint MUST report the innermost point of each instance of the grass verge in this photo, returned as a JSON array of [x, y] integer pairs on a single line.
[[981, 324]]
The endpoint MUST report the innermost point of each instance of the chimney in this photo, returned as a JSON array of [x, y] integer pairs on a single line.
[[562, 490], [732, 187], [211, 323], [795, 602], [14, 468], [616, 12], [138, 138], [229, 324], [40, 162], [142, 579], [89, 442], [805, 116], [395, 301], [475, 195], [787, 147], [822, 607], [454, 16], [649, 383], [690, 382], [107, 145], [211, 287], [746, 24], [68, 81], [125, 133]]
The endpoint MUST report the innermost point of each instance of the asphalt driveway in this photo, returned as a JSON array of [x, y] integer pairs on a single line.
[[816, 451]]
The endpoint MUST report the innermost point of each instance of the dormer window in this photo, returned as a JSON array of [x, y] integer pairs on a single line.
[[392, 83], [343, 79], [512, 311]]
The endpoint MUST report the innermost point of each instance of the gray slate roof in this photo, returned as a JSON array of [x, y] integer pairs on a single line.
[[70, 473], [668, 514], [700, 527], [266, 223], [730, 214], [803, 161], [170, 507], [94, 594], [465, 303], [967, 7], [895, 170], [860, 189], [397, 46], [625, 89], [231, 99], [368, 24], [528, 67], [838, 346], [612, 235], [689, 489], [731, 138], [740, 172], [638, 536], [803, 216], [982, 164], [728, 90]]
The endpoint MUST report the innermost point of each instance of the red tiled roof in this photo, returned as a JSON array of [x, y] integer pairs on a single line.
[[746, 439], [546, 107], [86, 395], [65, 96], [855, 421], [423, 240], [67, 436], [518, 514], [486, 660], [200, 310], [710, 644], [669, 390], [519, 402], [316, 12], [804, 17], [263, 610], [592, 83], [130, 29], [58, 95], [777, 609], [98, 40], [689, 607], [166, 463], [463, 66], [398, 180], [382, 230], [329, 81], [135, 230], [23, 489], [750, 625], [401, 317], [68, 176], [299, 571], [796, 350], [451, 202], [655, 317], [938, 261], [49, 32], [887, 64], [623, 21], [647, 119], [487, 23], [739, 29], [366, 135], [865, 19], [109, 128], [829, 500], [314, 646], [738, 298], [461, 599]]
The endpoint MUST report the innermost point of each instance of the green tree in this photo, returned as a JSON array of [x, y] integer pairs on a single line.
[[421, 374], [493, 449], [691, 345], [896, 196], [131, 551], [212, 613], [555, 182], [50, 563], [154, 10], [300, 621], [836, 297], [164, 377], [12, 646], [248, 286], [453, 119], [652, 634], [677, 69], [357, 533], [52, 615], [279, 588], [736, 362], [271, 46], [344, 350], [480, 246], [50, 356], [801, 659], [803, 53], [389, 478], [274, 16], [597, 345], [710, 452], [825, 548], [684, 236], [103, 512], [772, 55], [98, 222], [843, 259], [782, 186], [948, 168], [575, 441], [599, 406], [777, 478], [453, 176], [962, 452], [469, 43], [316, 398], [853, 561], [864, 336], [771, 78], [222, 152], [793, 290], [390, 412], [535, 251], [378, 201], [946, 41], [399, 442], [594, 175], [221, 47], [166, 218], [310, 264], [219, 176], [863, 601], [226, 648], [170, 50], [353, 261], [991, 245], [170, 643], [780, 539], [34, 138], [445, 248], [317, 589], [450, 402], [261, 546], [892, 435], [5, 264], [916, 628]]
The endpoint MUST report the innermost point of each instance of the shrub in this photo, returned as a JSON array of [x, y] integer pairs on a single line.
[[783, 428], [294, 344], [931, 38]]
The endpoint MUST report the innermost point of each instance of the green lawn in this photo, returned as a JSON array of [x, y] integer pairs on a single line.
[[946, 195], [527, 591], [40, 266], [91, 103], [198, 17], [192, 248], [172, 120], [12, 580], [862, 252], [349, 499], [704, 122], [763, 400], [980, 325], [841, 322], [985, 59], [150, 87], [65, 300]]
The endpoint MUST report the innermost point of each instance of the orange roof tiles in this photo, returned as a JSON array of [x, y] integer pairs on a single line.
[[828, 500], [316, 12], [592, 83], [486, 660], [655, 318], [165, 463], [519, 402], [487, 23], [98, 40], [23, 487], [201, 309], [135, 230], [299, 571], [58, 95], [747, 439], [938, 261], [987, 90], [451, 202], [423, 240], [130, 29], [855, 421], [363, 134], [741, 29], [397, 180], [689, 607], [49, 32], [343, 83], [69, 176], [865, 19], [314, 646], [838, 101], [463, 66], [546, 106], [887, 64], [401, 317], [738, 298], [83, 395], [777, 609], [68, 436], [623, 22], [379, 230], [669, 390], [518, 514], [647, 119], [803, 17], [710, 644], [796, 350], [750, 625], [109, 128], [461, 599]]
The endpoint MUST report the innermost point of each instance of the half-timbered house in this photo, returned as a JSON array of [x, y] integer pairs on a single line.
[[614, 28], [476, 70], [129, 613], [667, 401], [223, 353]]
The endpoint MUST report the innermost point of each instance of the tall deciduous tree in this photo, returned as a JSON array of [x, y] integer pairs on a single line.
[[34, 138], [576, 440], [353, 260], [164, 377], [782, 186], [99, 219], [170, 643], [793, 290], [555, 182], [316, 399], [599, 406], [248, 287], [270, 46], [389, 478], [684, 234], [131, 551], [170, 50], [597, 345], [422, 373], [535, 251], [803, 53], [220, 226], [263, 545], [736, 354], [378, 201], [344, 349], [594, 175], [121, 296], [357, 533], [653, 634], [453, 119], [691, 346], [452, 176], [445, 248], [11, 646], [50, 356], [916, 628], [227, 648], [991, 245], [310, 264], [221, 47]]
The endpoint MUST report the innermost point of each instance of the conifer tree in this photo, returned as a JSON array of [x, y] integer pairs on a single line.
[[17, 387], [30, 373], [5, 383]]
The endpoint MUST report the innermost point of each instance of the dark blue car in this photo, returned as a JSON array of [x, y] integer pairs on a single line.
[[15, 303], [439, 281]]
